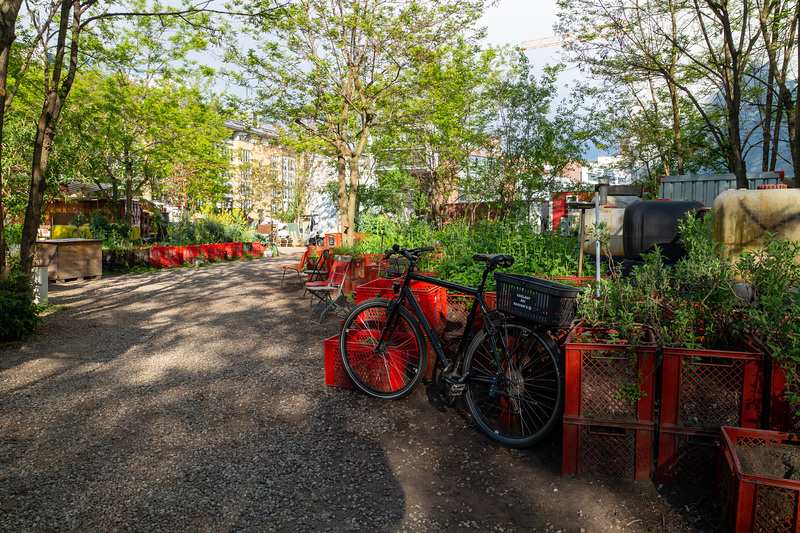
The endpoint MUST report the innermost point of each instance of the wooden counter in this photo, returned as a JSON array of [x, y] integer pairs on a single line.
[[71, 259]]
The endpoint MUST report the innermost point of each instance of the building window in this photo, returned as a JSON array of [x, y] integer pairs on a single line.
[[245, 156]]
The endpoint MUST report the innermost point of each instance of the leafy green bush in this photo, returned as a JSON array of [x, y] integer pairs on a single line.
[[535, 253], [18, 313], [112, 233], [211, 228]]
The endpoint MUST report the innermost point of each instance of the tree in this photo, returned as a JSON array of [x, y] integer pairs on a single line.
[[527, 148], [136, 134], [779, 22], [59, 33], [447, 112], [703, 49], [335, 71]]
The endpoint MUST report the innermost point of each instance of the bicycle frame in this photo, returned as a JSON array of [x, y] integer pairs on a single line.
[[405, 293]]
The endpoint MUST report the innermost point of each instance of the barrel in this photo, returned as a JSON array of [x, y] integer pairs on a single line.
[[741, 218], [651, 223]]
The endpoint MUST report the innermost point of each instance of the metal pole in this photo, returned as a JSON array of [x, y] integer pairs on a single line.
[[597, 236]]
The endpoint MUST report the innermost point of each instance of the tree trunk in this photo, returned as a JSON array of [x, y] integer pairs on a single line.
[[344, 204], [58, 88], [9, 10]]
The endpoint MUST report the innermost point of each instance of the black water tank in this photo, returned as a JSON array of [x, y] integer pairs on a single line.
[[655, 222]]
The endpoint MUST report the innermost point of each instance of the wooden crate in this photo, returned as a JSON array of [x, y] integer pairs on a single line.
[[71, 259]]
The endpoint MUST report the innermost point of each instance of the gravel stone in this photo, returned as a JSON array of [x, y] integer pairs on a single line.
[[194, 400]]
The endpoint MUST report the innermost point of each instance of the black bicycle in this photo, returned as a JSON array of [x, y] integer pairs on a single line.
[[511, 373]]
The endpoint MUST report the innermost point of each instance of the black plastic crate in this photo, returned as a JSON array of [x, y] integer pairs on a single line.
[[546, 302]]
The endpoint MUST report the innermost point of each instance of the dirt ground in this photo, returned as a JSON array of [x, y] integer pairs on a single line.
[[194, 400]]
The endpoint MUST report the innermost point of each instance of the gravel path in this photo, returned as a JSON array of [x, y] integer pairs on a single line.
[[194, 400]]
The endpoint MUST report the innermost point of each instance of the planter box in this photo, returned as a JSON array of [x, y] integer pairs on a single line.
[[335, 375], [754, 502], [162, 256], [607, 447], [458, 307], [233, 249], [68, 259], [189, 253], [216, 252], [432, 299], [598, 376], [686, 456], [708, 389]]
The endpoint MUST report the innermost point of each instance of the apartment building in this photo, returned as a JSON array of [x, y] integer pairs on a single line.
[[265, 179]]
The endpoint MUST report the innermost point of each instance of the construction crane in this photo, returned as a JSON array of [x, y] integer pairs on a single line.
[[584, 34]]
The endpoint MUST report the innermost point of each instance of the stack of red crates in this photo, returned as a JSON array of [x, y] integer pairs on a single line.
[[432, 299], [701, 391], [609, 407]]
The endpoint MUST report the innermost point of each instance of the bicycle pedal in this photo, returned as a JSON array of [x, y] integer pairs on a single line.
[[457, 389]]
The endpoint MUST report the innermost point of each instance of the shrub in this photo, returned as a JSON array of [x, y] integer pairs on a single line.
[[18, 313]]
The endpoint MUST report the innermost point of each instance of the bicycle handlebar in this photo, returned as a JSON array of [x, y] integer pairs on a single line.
[[411, 255]]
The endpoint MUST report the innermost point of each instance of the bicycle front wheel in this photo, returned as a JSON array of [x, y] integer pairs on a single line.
[[390, 368], [521, 401]]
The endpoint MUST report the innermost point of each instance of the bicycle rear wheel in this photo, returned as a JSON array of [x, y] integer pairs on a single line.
[[520, 403], [394, 369]]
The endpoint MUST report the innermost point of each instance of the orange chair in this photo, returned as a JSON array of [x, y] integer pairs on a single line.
[[297, 268], [329, 292]]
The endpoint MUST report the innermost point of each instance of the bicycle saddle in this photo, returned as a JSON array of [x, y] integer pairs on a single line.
[[495, 260]]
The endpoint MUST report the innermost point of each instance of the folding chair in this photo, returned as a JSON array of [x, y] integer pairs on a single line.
[[318, 273], [296, 268], [329, 292]]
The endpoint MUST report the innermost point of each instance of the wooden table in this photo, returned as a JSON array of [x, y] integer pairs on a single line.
[[71, 259]]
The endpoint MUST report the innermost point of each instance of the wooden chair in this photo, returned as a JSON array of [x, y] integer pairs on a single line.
[[329, 292], [297, 268]]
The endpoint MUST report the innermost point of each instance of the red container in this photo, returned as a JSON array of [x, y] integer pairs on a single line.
[[458, 308], [162, 256], [335, 375], [189, 253], [686, 456], [607, 447], [754, 502], [598, 376], [385, 373], [257, 249], [708, 389], [202, 251], [333, 240], [432, 299], [233, 249], [216, 252], [777, 408]]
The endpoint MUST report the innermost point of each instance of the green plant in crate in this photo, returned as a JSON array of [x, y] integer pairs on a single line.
[[772, 315]]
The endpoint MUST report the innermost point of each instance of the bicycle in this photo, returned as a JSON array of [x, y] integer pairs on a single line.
[[511, 373]]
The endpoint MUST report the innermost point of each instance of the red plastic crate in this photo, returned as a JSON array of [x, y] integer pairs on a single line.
[[216, 252], [778, 409], [162, 256], [755, 502], [335, 375], [597, 376], [257, 249], [386, 373], [233, 249], [607, 447], [686, 456], [708, 389], [432, 299], [189, 253]]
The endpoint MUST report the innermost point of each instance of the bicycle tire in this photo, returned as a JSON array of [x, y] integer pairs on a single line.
[[529, 399], [393, 372]]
